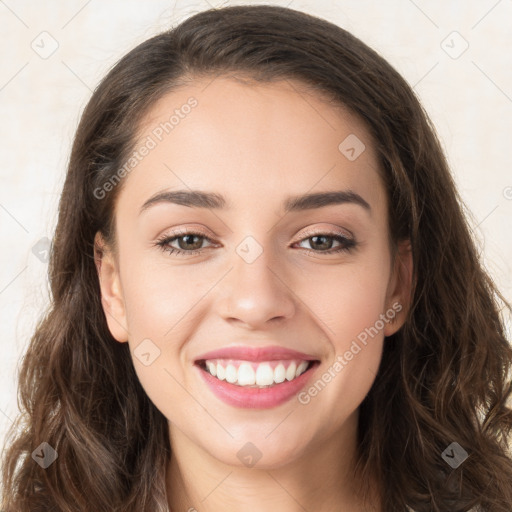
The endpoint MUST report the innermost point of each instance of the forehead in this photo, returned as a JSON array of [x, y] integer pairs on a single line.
[[252, 141]]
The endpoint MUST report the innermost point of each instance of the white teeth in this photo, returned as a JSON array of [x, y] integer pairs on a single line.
[[279, 373], [290, 373], [212, 368], [246, 376], [231, 374], [221, 373], [301, 368], [264, 376]]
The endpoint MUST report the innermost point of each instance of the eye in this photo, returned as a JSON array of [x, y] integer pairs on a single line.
[[323, 243], [189, 242]]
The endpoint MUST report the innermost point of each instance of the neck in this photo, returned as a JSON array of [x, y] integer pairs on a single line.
[[320, 479]]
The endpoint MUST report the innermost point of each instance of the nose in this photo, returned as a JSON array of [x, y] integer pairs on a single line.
[[255, 293]]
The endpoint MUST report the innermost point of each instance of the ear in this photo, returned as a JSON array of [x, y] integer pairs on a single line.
[[111, 291], [400, 287]]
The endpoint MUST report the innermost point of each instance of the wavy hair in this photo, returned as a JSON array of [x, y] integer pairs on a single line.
[[444, 376]]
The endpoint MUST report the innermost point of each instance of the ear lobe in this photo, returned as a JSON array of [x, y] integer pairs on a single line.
[[399, 292], [112, 299]]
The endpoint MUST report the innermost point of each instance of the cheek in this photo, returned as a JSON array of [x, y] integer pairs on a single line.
[[162, 296], [349, 305], [349, 298], [159, 303], [157, 296]]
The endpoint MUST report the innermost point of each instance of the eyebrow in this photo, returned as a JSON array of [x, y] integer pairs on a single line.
[[211, 200]]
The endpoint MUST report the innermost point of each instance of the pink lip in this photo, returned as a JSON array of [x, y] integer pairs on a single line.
[[256, 398], [271, 353]]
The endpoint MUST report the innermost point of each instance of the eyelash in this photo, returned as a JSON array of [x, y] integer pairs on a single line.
[[163, 243]]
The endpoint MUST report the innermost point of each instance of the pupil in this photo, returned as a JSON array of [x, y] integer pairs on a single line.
[[187, 240], [325, 244]]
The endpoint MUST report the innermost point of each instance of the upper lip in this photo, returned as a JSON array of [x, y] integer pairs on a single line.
[[246, 353]]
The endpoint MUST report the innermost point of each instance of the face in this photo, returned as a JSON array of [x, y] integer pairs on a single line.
[[268, 270]]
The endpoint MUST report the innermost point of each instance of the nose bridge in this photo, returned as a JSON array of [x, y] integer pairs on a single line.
[[255, 291], [253, 264]]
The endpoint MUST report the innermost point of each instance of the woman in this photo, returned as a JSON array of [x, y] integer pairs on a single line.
[[264, 292]]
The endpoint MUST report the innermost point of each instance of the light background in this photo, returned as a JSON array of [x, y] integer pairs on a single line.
[[468, 95]]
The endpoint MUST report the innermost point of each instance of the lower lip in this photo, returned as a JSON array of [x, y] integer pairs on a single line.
[[256, 398]]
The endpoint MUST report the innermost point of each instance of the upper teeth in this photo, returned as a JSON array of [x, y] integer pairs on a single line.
[[246, 373]]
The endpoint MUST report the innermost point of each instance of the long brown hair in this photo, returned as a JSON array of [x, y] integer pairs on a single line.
[[444, 377]]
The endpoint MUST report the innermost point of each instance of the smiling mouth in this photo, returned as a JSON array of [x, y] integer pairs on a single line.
[[251, 374]]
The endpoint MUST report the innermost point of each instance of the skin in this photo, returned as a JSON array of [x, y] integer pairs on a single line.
[[256, 144]]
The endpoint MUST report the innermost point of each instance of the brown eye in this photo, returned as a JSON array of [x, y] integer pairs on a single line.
[[187, 243], [323, 243]]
